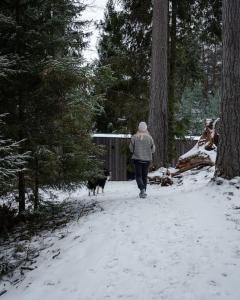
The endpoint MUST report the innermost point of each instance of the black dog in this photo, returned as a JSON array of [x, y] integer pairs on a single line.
[[102, 180], [98, 182], [92, 185]]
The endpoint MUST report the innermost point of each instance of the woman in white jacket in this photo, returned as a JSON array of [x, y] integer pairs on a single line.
[[142, 147]]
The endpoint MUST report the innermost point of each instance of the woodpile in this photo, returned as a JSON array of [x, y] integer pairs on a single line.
[[163, 181], [161, 177]]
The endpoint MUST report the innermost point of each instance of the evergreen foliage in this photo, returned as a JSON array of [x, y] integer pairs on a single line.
[[11, 161], [49, 96], [124, 46], [194, 109]]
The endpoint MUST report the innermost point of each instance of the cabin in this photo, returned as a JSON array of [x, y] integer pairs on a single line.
[[117, 157]]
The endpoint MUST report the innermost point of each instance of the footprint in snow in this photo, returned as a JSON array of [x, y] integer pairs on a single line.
[[126, 270], [110, 285], [213, 283], [111, 264], [141, 274], [49, 282]]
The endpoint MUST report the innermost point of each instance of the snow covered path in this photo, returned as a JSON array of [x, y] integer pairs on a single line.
[[181, 243]]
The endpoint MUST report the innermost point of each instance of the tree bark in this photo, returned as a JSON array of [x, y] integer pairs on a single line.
[[171, 92], [158, 109], [228, 159]]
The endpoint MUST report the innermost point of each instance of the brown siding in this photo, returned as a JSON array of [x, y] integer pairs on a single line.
[[115, 156], [116, 153], [181, 147]]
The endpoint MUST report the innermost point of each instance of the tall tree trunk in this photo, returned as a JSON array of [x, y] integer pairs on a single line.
[[158, 110], [171, 92], [228, 159], [21, 177]]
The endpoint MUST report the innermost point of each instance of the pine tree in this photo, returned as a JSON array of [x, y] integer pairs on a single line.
[[44, 42]]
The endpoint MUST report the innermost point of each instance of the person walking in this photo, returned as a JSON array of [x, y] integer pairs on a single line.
[[142, 147]]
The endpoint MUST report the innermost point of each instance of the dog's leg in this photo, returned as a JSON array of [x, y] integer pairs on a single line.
[[98, 190]]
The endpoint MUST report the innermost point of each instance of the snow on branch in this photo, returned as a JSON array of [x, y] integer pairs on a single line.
[[11, 160]]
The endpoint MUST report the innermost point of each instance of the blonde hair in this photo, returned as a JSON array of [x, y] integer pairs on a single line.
[[141, 134], [142, 130]]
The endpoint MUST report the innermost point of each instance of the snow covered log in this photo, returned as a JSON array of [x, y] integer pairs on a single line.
[[203, 153]]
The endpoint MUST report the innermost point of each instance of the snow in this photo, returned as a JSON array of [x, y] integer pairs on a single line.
[[181, 242], [201, 152], [59, 195], [161, 172], [128, 136], [113, 135], [46, 194], [191, 137]]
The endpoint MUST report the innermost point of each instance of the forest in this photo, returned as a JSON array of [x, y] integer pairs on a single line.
[[51, 100], [173, 64]]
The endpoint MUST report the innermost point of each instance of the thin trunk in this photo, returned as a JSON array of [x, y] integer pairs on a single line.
[[172, 70], [214, 68], [21, 192], [228, 159], [158, 110], [36, 185], [205, 82], [21, 177]]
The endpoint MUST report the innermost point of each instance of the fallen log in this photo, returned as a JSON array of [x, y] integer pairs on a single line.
[[203, 153]]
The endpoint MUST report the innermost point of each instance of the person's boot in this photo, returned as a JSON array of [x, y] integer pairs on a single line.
[[142, 194], [145, 194]]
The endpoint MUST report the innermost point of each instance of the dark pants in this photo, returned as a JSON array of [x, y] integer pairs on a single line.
[[141, 172]]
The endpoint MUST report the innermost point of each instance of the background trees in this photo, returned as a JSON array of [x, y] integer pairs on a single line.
[[51, 98], [194, 64], [124, 46]]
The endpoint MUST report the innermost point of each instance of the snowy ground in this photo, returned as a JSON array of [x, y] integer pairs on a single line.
[[181, 243]]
